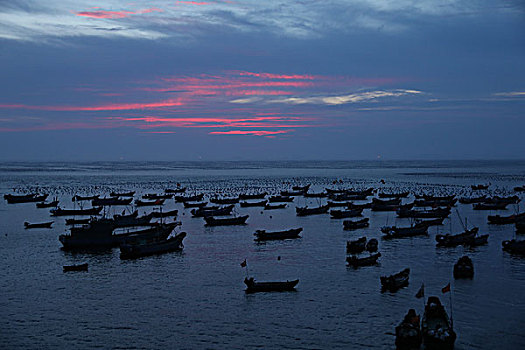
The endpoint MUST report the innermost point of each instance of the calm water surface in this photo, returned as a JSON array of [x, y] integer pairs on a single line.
[[195, 298]]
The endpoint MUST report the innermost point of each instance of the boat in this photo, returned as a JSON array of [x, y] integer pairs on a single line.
[[503, 220], [111, 201], [205, 212], [479, 187], [79, 267], [354, 225], [254, 287], [333, 204], [194, 198], [472, 200], [509, 200], [122, 194], [449, 240], [436, 198], [435, 203], [359, 206], [490, 206], [164, 214], [356, 262], [52, 204], [357, 246], [520, 226], [79, 198], [26, 198], [340, 214], [131, 220], [394, 201], [75, 212], [304, 188], [137, 250], [263, 235], [175, 190], [464, 268], [253, 204], [280, 199], [316, 194], [144, 235], [395, 282], [291, 193], [348, 197], [77, 221], [476, 241], [513, 246], [233, 200], [140, 203], [372, 245], [428, 223], [304, 211], [48, 224], [432, 213], [393, 195], [437, 329], [245, 196], [195, 204], [269, 206], [97, 234], [402, 232], [408, 332], [384, 207], [238, 220], [519, 188]]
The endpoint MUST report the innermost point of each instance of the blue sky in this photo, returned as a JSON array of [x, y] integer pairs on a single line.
[[207, 80]]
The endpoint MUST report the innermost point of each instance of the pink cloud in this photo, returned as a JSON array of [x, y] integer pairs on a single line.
[[278, 76], [108, 107], [250, 132], [196, 3], [102, 14]]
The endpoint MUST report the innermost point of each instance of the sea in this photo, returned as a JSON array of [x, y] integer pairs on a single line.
[[195, 299]]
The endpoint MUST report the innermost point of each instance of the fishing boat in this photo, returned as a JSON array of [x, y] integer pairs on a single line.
[[472, 200], [205, 212], [333, 204], [194, 198], [476, 241], [111, 201], [479, 187], [519, 188], [97, 234], [75, 212], [164, 214], [428, 223], [137, 250], [280, 199], [356, 262], [372, 245], [26, 198], [291, 193], [316, 194], [122, 194], [394, 201], [402, 232], [254, 287], [153, 196], [449, 240], [304, 211], [464, 268], [253, 204], [435, 203], [432, 213], [355, 225], [304, 188], [269, 206], [436, 198], [504, 220], [490, 206], [357, 246], [28, 225], [52, 204], [175, 190], [233, 200], [238, 220], [195, 204], [263, 235], [340, 214], [131, 220], [408, 332], [514, 246], [143, 235], [347, 197], [393, 195], [79, 267], [77, 221], [395, 282], [520, 226], [437, 329], [140, 203], [79, 198], [245, 196], [384, 207]]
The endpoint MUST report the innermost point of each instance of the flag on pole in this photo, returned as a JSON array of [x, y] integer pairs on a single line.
[[421, 292], [446, 288], [243, 264]]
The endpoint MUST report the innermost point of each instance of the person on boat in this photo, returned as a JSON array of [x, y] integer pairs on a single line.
[[412, 318]]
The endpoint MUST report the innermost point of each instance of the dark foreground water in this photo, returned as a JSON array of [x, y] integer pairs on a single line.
[[195, 299]]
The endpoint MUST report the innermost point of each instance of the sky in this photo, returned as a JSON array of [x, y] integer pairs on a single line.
[[261, 80]]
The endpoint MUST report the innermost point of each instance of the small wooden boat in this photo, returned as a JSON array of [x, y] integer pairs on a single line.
[[48, 224], [131, 220], [394, 201], [195, 204], [246, 196], [204, 212], [356, 246], [472, 200], [233, 200], [333, 204], [356, 262], [436, 326], [504, 220], [514, 247], [238, 220], [436, 198], [254, 287], [304, 211], [395, 282], [384, 207], [79, 198], [520, 226], [509, 200], [122, 194], [194, 198], [79, 267], [175, 190], [432, 213], [490, 206], [153, 196], [402, 232], [372, 245], [434, 203], [428, 223], [164, 214], [476, 241], [75, 212], [464, 268], [291, 193], [315, 194], [519, 188], [137, 250], [280, 199], [111, 201], [25, 198], [408, 332], [253, 204], [140, 203], [449, 240], [355, 225], [393, 195], [479, 187], [263, 235], [304, 188], [52, 204], [274, 206], [340, 214], [77, 221], [347, 197]]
